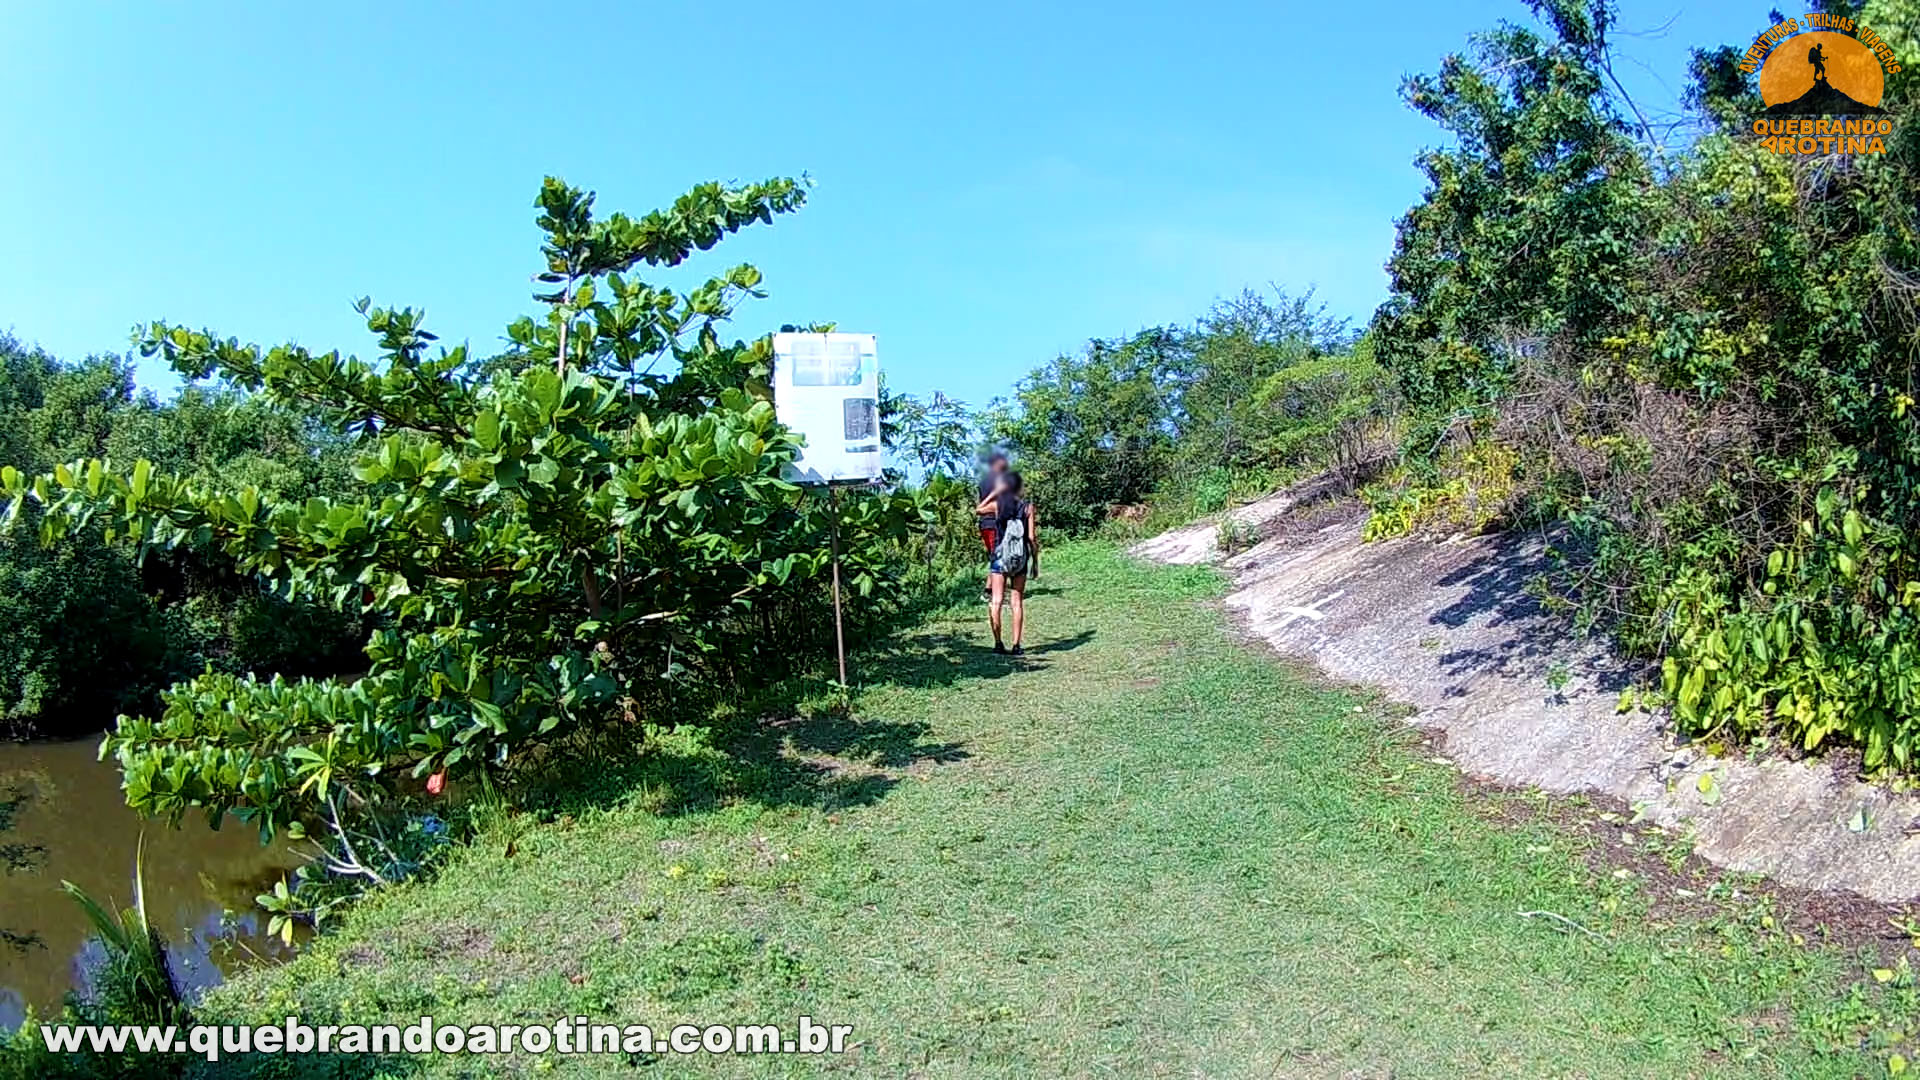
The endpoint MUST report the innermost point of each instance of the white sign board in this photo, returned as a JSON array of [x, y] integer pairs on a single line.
[[827, 388]]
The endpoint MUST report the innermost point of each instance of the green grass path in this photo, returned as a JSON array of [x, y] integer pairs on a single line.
[[1147, 851]]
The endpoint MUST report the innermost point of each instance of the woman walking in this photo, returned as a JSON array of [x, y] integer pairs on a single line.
[[1016, 550]]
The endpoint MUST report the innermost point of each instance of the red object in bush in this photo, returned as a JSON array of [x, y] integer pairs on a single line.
[[436, 782]]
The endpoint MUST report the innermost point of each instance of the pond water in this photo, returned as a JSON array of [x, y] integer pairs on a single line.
[[62, 817]]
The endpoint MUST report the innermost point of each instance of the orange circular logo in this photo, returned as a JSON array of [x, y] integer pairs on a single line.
[[1822, 73]]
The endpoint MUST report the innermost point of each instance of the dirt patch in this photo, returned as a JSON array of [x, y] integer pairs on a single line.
[[764, 853], [363, 956], [467, 942], [1681, 888], [1311, 515]]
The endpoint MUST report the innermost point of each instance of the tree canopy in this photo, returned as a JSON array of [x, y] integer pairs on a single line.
[[549, 541]]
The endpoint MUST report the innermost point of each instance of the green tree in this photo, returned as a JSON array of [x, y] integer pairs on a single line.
[[94, 629], [933, 436], [1095, 430], [562, 543], [81, 641], [1529, 219], [1235, 350], [1255, 390]]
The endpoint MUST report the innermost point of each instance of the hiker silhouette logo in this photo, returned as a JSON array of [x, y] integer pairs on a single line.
[[1822, 73], [1821, 78]]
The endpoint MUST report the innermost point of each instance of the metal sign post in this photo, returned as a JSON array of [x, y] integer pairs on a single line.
[[833, 531]]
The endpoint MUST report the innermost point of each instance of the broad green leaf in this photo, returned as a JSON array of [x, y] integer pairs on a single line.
[[1709, 788]]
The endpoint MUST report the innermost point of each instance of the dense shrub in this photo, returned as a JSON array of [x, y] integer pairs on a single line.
[[94, 629], [1336, 410], [1192, 418], [565, 538], [83, 641], [1251, 382], [1700, 363]]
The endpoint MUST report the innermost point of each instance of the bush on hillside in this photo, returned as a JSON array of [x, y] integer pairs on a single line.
[[1701, 364]]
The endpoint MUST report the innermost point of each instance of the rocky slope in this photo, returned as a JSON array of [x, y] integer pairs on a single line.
[[1450, 629]]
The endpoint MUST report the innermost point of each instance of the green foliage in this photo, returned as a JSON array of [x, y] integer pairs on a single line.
[[94, 629], [134, 984], [1094, 430], [355, 854], [570, 539], [1254, 380], [1826, 649], [1328, 409], [1233, 536], [1476, 489], [1257, 390], [1700, 364], [1528, 217], [82, 641], [932, 436], [950, 543]]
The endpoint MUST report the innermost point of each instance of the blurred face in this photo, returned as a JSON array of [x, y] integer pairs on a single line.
[[998, 465]]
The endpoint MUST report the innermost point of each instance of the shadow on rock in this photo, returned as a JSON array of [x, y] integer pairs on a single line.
[[1510, 632]]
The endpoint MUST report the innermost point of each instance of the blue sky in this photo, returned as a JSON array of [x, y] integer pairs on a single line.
[[995, 183]]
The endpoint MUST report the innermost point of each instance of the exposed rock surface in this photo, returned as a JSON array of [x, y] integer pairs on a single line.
[[1451, 629]]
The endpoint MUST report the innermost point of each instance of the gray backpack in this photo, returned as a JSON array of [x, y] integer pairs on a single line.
[[1012, 550]]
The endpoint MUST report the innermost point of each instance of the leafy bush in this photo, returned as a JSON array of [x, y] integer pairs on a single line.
[[1829, 652], [1246, 384], [565, 538], [94, 629], [1190, 419], [1476, 488], [1095, 430], [1699, 363], [1336, 410]]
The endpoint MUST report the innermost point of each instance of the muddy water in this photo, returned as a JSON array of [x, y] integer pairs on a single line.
[[62, 817]]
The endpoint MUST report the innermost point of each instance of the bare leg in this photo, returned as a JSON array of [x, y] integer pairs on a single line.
[[986, 591], [1018, 586], [996, 583]]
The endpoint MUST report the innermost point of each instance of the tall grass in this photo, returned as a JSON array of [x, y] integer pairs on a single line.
[[135, 984]]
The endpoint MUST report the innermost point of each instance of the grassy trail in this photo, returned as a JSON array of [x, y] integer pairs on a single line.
[[1146, 851]]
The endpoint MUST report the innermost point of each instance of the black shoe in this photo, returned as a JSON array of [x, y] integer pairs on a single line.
[[1018, 651], [1000, 650]]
